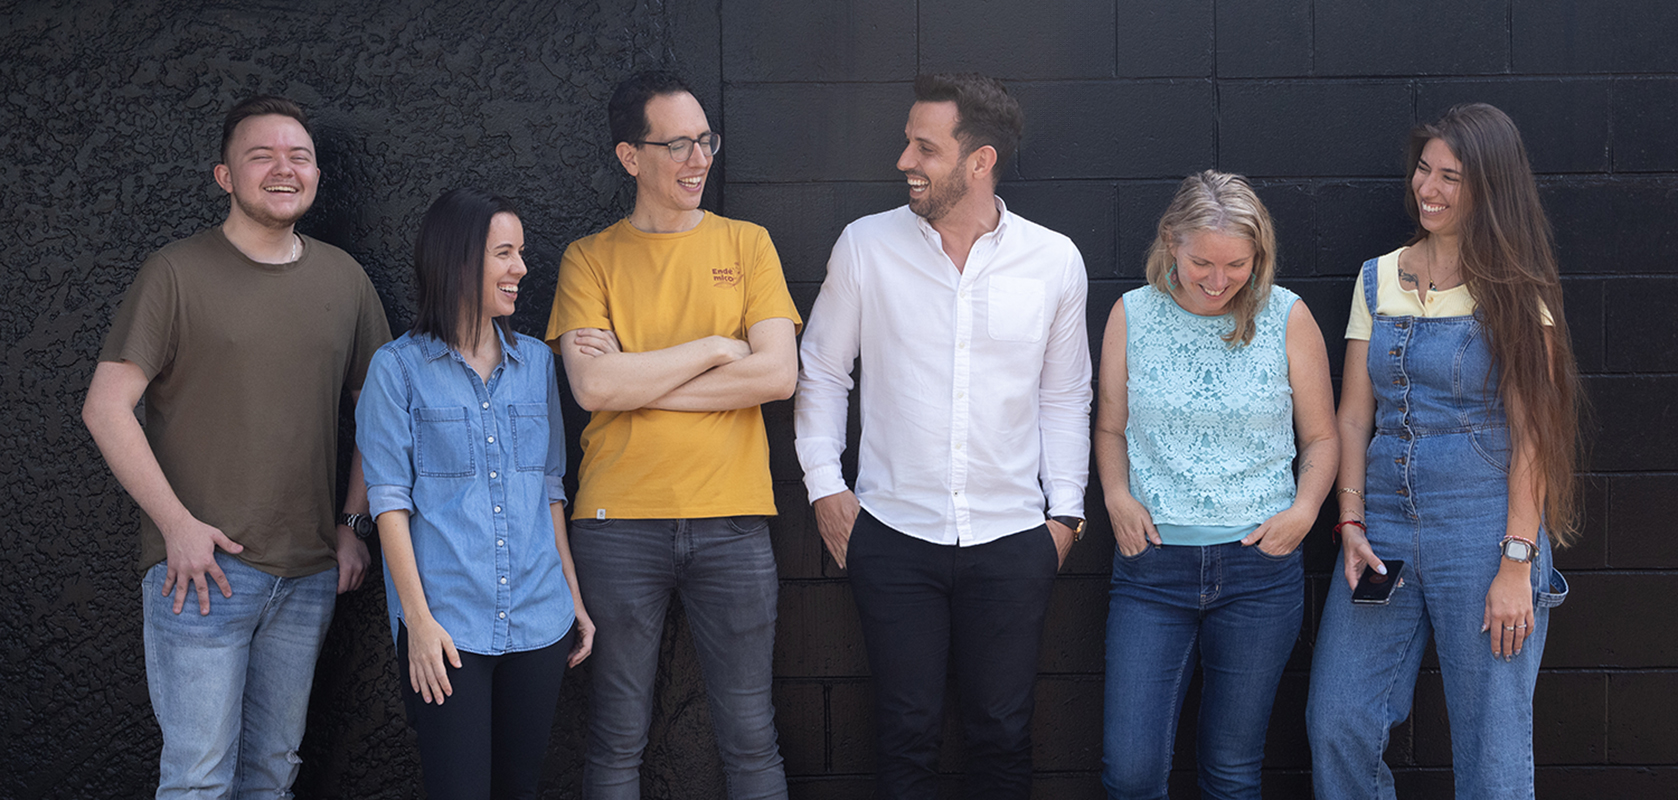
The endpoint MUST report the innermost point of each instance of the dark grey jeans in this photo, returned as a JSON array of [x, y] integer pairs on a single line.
[[724, 570]]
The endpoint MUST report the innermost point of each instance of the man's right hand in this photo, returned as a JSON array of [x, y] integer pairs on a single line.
[[190, 548], [835, 516]]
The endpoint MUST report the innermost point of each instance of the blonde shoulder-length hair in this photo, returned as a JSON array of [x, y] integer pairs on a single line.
[[1220, 202]]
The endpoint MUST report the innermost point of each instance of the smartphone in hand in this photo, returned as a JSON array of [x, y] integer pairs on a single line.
[[1375, 589]]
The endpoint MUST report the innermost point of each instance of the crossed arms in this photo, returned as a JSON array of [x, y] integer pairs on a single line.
[[715, 373]]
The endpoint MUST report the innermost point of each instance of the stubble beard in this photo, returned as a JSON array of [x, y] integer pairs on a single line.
[[261, 216], [940, 199]]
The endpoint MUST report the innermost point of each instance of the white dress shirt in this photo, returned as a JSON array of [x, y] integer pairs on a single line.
[[975, 384]]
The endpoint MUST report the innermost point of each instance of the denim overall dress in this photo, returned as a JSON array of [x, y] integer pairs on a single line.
[[1436, 496]]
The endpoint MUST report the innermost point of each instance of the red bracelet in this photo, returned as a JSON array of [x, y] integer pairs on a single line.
[[1357, 522]]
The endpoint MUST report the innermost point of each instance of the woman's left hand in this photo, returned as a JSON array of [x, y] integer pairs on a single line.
[[585, 638], [1281, 534], [1509, 609]]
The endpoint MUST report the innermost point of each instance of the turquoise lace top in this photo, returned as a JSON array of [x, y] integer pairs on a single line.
[[1210, 434]]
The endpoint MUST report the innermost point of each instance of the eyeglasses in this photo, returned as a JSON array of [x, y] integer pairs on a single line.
[[681, 149]]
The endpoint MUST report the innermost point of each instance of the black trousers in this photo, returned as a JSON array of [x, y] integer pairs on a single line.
[[488, 738], [930, 609]]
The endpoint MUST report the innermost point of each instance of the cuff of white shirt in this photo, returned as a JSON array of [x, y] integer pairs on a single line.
[[1066, 502], [389, 497], [824, 481], [556, 488]]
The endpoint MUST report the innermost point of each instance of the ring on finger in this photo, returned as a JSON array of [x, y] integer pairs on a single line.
[[1509, 627]]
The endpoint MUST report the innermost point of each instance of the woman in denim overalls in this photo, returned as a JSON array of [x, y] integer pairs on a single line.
[[1458, 431]]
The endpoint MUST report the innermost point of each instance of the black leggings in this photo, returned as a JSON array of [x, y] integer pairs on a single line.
[[488, 738]]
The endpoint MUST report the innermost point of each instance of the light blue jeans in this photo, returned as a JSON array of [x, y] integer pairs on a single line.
[[1237, 610], [724, 570], [231, 689]]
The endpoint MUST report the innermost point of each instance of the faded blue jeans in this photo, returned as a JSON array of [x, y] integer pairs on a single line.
[[1239, 610], [724, 570], [231, 689]]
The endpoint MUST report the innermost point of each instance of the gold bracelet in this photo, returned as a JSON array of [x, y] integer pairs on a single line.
[[1348, 489]]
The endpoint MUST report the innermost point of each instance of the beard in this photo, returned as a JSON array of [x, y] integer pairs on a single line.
[[264, 217], [941, 196]]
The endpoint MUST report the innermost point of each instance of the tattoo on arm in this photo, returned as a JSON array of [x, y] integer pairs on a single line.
[[1306, 467], [1407, 277]]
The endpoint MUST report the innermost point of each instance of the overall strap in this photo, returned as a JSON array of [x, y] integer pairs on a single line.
[[1371, 282]]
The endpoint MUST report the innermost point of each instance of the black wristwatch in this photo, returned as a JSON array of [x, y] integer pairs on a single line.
[[1075, 523], [360, 523]]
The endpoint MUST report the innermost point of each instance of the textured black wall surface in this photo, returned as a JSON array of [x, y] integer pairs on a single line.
[[109, 121]]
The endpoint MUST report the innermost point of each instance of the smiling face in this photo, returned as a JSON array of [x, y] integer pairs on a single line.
[[1437, 185], [270, 171], [662, 186], [1211, 268], [932, 160], [503, 265]]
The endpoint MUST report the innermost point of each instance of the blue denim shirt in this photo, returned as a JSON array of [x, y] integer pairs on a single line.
[[476, 466]]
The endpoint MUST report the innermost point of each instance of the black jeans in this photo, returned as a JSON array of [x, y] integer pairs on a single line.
[[927, 609], [488, 738]]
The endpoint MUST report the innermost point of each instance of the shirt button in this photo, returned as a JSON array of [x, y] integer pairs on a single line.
[[486, 405], [498, 509], [492, 473], [503, 580], [491, 439], [500, 542], [502, 615]]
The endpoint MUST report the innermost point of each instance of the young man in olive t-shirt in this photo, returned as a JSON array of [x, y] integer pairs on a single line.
[[241, 339], [674, 325]]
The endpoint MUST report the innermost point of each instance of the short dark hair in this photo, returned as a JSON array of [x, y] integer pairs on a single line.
[[626, 112], [985, 112], [257, 106], [449, 265]]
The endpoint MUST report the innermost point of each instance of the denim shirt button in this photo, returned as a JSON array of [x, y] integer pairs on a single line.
[[486, 405], [498, 509], [502, 615], [503, 580], [491, 440], [500, 542], [492, 473]]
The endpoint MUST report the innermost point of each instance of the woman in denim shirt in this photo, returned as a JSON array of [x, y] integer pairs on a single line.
[[1458, 431], [463, 449]]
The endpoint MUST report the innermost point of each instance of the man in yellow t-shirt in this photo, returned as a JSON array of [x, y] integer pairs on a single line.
[[674, 325]]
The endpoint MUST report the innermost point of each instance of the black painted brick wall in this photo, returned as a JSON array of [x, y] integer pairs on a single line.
[[108, 126]]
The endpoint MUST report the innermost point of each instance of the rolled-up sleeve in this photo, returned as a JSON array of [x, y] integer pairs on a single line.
[[832, 339], [384, 433]]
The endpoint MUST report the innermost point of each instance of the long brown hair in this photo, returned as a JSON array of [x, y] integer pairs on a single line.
[[1219, 202], [1507, 253]]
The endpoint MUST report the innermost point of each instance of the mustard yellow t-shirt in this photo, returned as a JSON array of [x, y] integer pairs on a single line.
[[1393, 300], [658, 290]]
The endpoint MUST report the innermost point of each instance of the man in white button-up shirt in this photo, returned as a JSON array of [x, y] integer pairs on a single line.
[[975, 438]]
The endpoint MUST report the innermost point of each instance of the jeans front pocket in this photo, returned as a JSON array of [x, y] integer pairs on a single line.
[[443, 442], [530, 436]]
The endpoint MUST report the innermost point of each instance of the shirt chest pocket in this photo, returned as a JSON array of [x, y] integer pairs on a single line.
[[530, 436], [442, 442], [1015, 312]]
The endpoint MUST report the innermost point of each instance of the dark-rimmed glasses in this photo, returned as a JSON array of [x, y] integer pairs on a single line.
[[681, 148]]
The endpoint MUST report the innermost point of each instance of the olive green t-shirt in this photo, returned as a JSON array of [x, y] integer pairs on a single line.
[[247, 362]]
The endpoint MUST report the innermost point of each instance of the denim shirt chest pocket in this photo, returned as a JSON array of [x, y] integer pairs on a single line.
[[530, 436], [443, 442]]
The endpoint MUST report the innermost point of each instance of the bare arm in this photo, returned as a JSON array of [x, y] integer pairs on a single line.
[[584, 643], [604, 378], [428, 644], [353, 558], [1356, 420], [1314, 427], [1509, 615], [190, 544], [1133, 527], [770, 373]]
